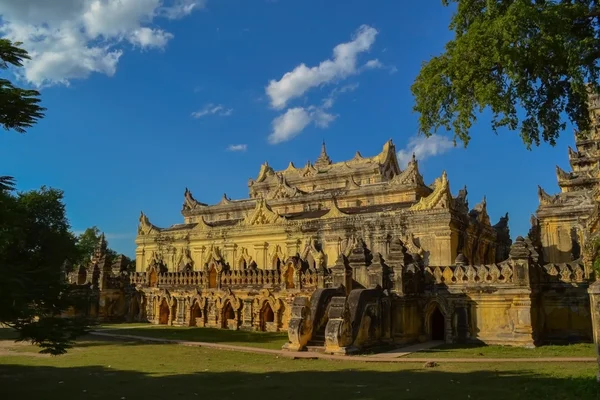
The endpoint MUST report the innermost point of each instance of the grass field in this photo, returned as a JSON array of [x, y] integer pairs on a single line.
[[276, 340], [105, 369], [474, 351], [239, 338]]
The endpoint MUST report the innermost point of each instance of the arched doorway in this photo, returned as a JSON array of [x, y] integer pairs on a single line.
[[267, 316], [212, 277], [196, 315], [228, 316], [438, 325], [163, 313]]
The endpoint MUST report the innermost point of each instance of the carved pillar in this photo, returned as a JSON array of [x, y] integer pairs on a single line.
[[260, 255], [292, 247], [212, 317], [247, 315], [181, 308], [229, 253], [594, 291], [341, 275], [375, 272], [520, 256]]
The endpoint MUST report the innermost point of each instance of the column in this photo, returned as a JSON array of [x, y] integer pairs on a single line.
[[247, 315], [594, 291]]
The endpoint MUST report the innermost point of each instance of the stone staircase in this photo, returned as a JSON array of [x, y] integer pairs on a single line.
[[317, 343]]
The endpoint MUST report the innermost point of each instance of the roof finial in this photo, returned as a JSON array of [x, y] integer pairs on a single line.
[[323, 159]]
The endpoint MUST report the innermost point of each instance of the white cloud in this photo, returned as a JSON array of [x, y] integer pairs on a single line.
[[70, 39], [329, 101], [146, 37], [424, 147], [374, 64], [237, 147], [343, 64], [212, 109], [289, 125]]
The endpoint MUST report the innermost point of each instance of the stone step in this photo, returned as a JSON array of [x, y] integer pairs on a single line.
[[315, 348]]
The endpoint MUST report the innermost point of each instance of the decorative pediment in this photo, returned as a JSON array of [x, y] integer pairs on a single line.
[[189, 202], [145, 227], [244, 259], [291, 169], [262, 215], [277, 253], [347, 245], [573, 153], [410, 176], [412, 248], [545, 199], [351, 184], [562, 175], [283, 190], [334, 211], [460, 201], [308, 170], [479, 213], [224, 200], [440, 198], [213, 254], [201, 225], [502, 223], [265, 171]]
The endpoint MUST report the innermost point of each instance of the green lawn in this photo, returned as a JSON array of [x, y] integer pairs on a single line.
[[239, 338], [471, 351], [107, 369]]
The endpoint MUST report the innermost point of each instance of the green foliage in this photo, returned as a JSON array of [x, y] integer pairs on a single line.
[[19, 108], [35, 241], [537, 56], [87, 243]]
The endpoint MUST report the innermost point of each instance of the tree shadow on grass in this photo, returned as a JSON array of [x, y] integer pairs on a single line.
[[211, 335], [97, 382]]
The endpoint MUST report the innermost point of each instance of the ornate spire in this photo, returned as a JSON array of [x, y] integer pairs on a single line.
[[323, 159]]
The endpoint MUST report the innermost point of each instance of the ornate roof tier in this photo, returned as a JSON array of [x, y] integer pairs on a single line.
[[325, 174]]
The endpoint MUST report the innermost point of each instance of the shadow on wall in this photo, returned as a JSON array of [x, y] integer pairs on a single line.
[[108, 383]]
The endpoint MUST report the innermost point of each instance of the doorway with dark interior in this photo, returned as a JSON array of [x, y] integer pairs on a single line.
[[437, 324]]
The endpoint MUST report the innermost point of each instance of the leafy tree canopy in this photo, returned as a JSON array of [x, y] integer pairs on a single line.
[[35, 242], [528, 61], [87, 243], [19, 108]]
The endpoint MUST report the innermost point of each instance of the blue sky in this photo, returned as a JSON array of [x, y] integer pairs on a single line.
[[148, 97]]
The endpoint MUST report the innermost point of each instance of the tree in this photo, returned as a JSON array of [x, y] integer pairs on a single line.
[[538, 56], [87, 242], [19, 108], [35, 241]]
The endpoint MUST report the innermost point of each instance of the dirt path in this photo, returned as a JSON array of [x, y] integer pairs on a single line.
[[370, 358]]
